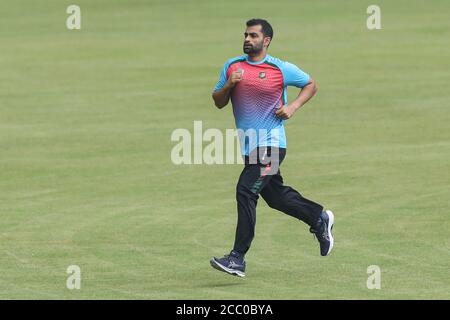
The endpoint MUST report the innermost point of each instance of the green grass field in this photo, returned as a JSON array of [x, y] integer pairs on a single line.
[[85, 171]]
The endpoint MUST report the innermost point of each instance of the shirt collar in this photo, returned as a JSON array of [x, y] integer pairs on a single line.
[[257, 62]]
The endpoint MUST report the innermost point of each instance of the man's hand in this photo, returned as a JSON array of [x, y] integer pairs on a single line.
[[235, 77], [222, 96], [307, 92], [285, 112]]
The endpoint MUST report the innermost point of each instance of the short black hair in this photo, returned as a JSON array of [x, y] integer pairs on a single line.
[[266, 28]]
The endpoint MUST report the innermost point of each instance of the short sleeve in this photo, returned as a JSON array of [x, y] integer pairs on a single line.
[[294, 76], [222, 77]]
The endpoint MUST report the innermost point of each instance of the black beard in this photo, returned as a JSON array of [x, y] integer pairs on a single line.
[[252, 50]]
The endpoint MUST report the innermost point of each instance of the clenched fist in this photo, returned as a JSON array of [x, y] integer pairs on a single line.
[[285, 112], [235, 77]]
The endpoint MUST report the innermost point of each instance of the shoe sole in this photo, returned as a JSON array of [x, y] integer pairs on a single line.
[[222, 268], [330, 228]]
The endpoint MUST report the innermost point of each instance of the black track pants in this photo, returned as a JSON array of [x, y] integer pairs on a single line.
[[261, 175]]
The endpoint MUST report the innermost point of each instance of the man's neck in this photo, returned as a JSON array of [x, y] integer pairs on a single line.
[[255, 58]]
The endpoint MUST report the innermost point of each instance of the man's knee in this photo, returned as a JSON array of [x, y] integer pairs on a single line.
[[244, 192], [242, 189]]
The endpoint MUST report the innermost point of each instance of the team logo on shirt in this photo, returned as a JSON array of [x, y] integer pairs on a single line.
[[262, 75]]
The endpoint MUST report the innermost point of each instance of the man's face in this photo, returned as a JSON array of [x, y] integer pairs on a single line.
[[254, 40]]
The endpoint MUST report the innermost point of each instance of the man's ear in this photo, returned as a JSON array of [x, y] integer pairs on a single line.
[[267, 41]]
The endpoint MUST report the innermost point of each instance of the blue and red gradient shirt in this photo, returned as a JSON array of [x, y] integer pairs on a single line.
[[262, 90]]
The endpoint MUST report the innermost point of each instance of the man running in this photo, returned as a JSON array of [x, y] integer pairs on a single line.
[[257, 85]]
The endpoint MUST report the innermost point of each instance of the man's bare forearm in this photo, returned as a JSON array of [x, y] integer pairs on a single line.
[[305, 94], [222, 96]]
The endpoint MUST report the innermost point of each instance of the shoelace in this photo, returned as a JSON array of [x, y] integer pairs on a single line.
[[323, 232], [233, 259], [229, 257]]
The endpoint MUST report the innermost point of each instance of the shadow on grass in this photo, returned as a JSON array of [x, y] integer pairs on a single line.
[[223, 284]]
